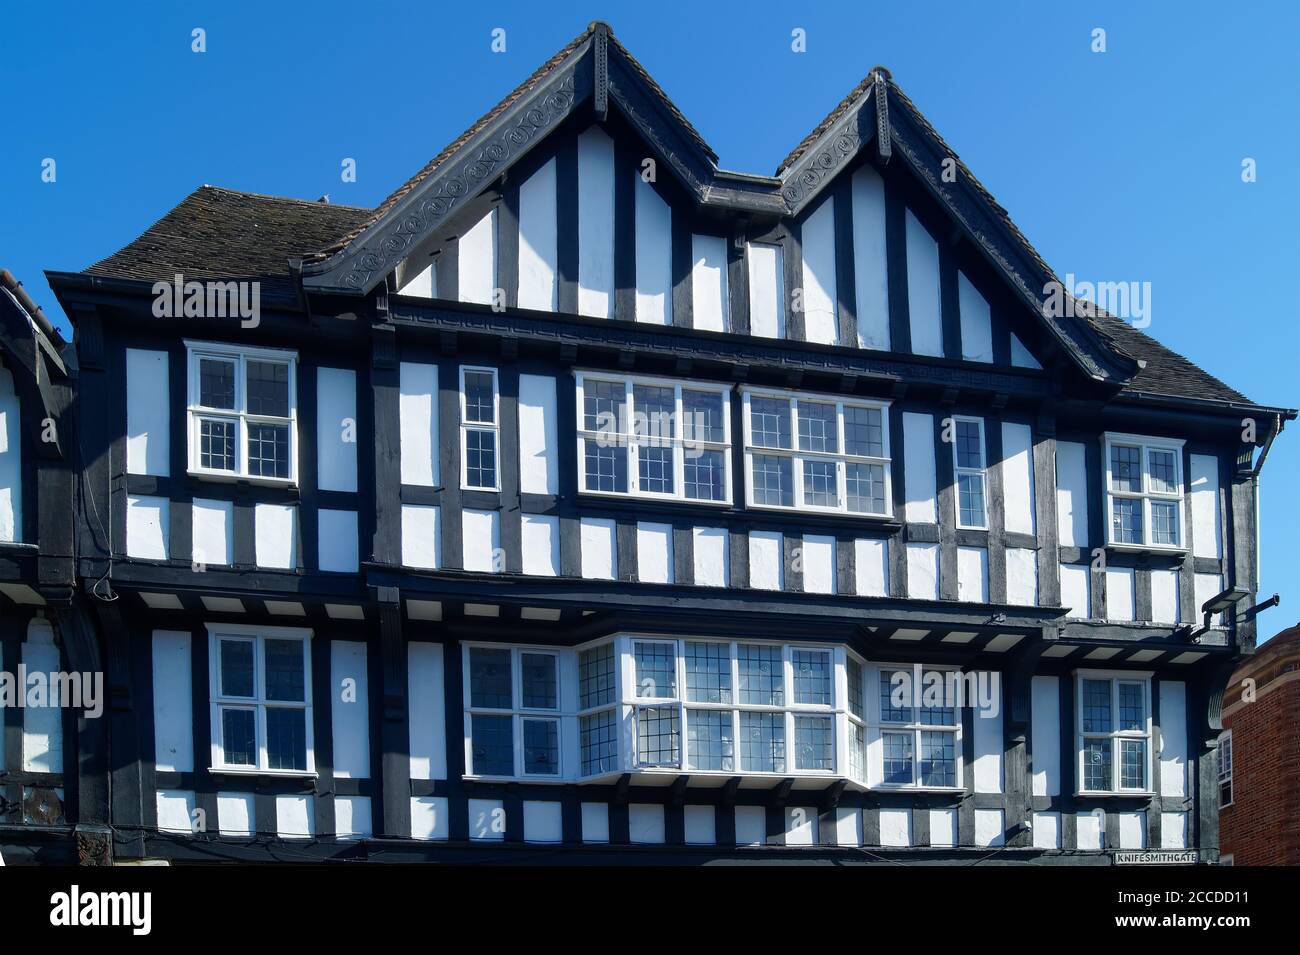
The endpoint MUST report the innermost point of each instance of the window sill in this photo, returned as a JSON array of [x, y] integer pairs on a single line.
[[1147, 549], [273, 773], [656, 498], [820, 512], [938, 790], [221, 477], [1146, 794]]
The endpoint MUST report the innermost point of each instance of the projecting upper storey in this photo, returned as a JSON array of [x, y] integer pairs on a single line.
[[585, 192]]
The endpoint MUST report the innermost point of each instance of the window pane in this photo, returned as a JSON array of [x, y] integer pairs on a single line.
[[1125, 468], [217, 383], [480, 458], [237, 668], [819, 484], [854, 676], [1096, 706], [541, 747], [655, 469], [605, 467], [492, 745], [654, 408], [239, 737], [1096, 765], [604, 407], [762, 747], [1132, 707], [658, 736], [708, 673], [769, 422], [286, 738], [857, 751], [489, 679], [889, 713], [817, 431], [970, 449], [936, 715], [814, 743], [268, 450], [1126, 520], [598, 741], [863, 433], [537, 676], [1163, 471], [938, 759], [761, 677], [896, 751], [865, 484], [705, 475], [773, 481], [656, 670], [217, 444], [268, 388], [702, 416], [812, 676], [284, 670], [1132, 764], [1164, 523], [480, 407], [709, 742], [970, 499], [596, 676]]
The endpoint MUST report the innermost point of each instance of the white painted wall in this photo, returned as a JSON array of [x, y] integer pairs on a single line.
[[1090, 831], [148, 520], [700, 825], [336, 429], [539, 465], [476, 261], [1018, 477], [820, 312], [1045, 735], [870, 259], [599, 549], [801, 826], [418, 413], [751, 826], [654, 553], [709, 306], [1133, 830], [543, 821], [1046, 828], [1071, 494], [427, 715], [595, 822], [943, 828], [148, 412], [235, 814], [973, 574], [175, 810], [481, 537], [173, 702], [352, 817], [871, 567], [654, 256], [988, 748], [1173, 830], [275, 529], [538, 246], [1076, 590], [1022, 576], [923, 571], [1021, 356], [990, 829], [766, 290], [595, 224], [423, 285], [766, 560], [421, 537], [1164, 596], [338, 544], [923, 289], [540, 540], [1207, 535], [1206, 587], [1173, 738], [212, 532], [896, 827], [350, 709], [295, 816], [645, 823], [11, 461], [818, 564], [487, 820], [712, 556], [918, 469], [976, 322], [848, 826], [429, 818], [1120, 600]]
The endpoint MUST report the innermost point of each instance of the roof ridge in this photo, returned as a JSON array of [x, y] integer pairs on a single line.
[[275, 198]]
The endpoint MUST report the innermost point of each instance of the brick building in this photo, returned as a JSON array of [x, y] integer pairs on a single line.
[[1259, 757]]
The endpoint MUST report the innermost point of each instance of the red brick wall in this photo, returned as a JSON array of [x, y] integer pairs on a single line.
[[1262, 826]]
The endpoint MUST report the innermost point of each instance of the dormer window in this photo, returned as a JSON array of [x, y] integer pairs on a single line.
[[242, 412], [1144, 492]]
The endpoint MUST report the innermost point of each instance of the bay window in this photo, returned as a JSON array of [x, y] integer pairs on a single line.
[[817, 453], [1113, 716], [242, 414], [480, 438], [654, 438], [260, 699], [1144, 491]]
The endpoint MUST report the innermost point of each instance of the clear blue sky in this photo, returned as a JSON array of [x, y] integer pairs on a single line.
[[1123, 165]]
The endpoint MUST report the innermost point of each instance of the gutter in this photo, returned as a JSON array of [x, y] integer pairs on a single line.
[[15, 288]]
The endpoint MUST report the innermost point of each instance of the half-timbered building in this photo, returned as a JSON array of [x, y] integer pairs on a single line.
[[586, 499]]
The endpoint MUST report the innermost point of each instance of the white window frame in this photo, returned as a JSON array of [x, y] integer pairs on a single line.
[[797, 456], [982, 472], [789, 710], [467, 426], [631, 442], [856, 721], [258, 636], [1145, 444], [876, 728], [1225, 771], [563, 715], [195, 412], [1115, 735]]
